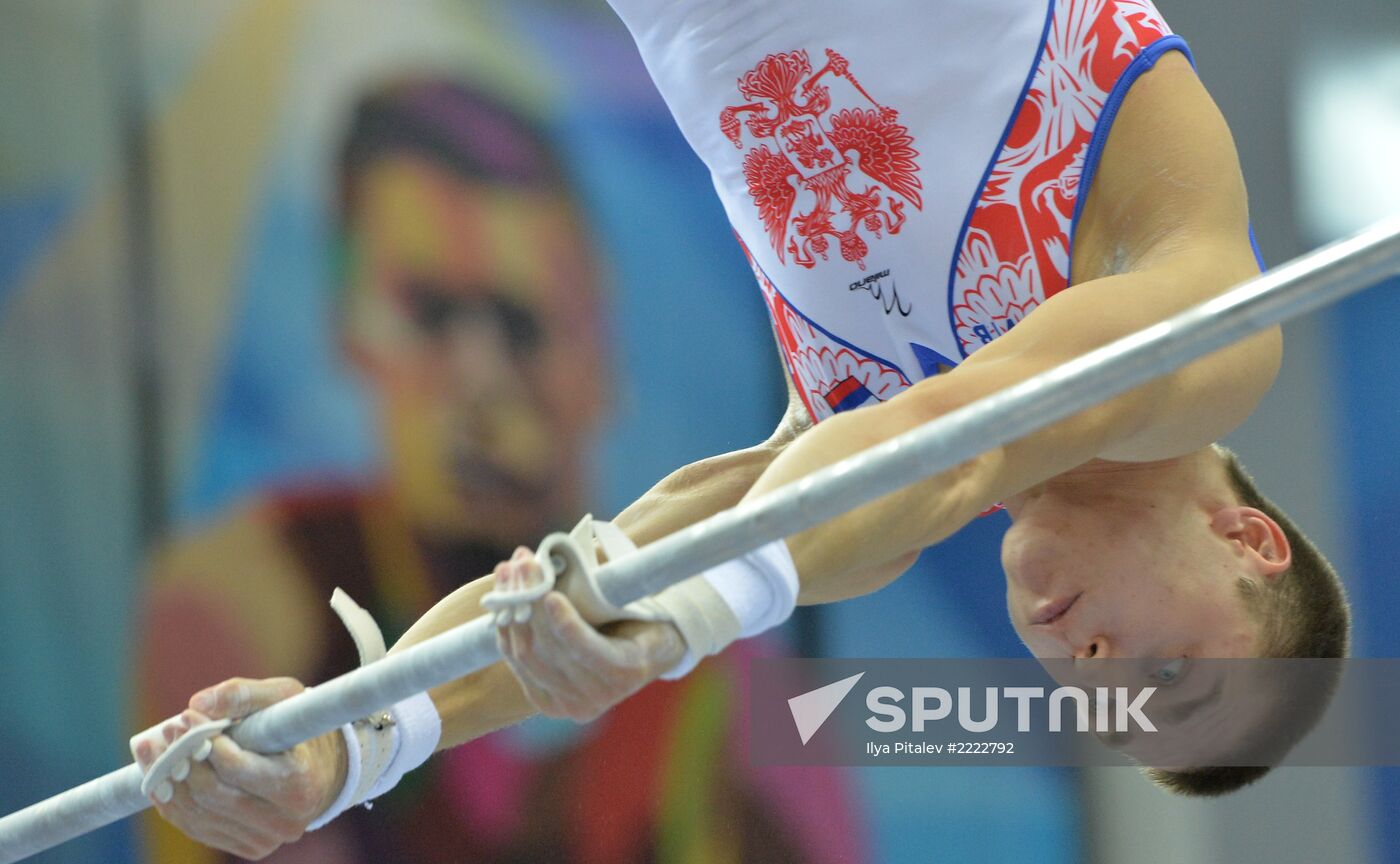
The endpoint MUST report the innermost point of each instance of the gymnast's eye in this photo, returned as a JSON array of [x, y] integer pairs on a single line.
[[1170, 672]]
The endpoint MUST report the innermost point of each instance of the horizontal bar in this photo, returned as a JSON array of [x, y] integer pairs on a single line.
[[1303, 285]]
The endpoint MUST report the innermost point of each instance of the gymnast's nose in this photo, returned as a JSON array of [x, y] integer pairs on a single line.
[[1096, 648]]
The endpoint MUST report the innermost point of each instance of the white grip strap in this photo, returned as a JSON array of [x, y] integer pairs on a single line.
[[700, 613], [383, 747], [173, 765], [569, 564], [740, 598], [369, 639], [380, 748], [374, 736], [736, 600]]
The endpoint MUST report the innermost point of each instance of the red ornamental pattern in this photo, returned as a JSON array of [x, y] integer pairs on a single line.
[[1017, 249], [829, 376], [810, 172]]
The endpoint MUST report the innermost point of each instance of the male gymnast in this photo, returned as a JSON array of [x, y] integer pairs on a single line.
[[911, 181]]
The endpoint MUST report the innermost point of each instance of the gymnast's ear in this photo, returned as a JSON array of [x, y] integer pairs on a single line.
[[1256, 537]]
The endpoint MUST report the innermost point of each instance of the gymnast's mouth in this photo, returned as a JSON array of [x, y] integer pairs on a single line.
[[1049, 613]]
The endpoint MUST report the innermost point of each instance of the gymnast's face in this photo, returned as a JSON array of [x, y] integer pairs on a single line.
[[1137, 561], [472, 314]]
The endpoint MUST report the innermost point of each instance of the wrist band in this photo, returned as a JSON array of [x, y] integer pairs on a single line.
[[418, 728], [383, 747], [736, 600]]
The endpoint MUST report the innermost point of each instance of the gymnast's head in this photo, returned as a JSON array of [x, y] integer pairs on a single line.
[[469, 305], [1179, 561]]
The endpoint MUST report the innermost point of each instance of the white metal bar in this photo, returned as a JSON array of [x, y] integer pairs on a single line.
[[1301, 286]]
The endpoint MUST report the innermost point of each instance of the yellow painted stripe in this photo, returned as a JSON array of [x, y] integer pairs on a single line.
[[693, 827]]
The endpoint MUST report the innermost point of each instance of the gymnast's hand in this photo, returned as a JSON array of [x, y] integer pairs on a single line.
[[565, 666], [236, 800]]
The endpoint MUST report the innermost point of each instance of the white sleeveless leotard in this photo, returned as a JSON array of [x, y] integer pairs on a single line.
[[904, 175]]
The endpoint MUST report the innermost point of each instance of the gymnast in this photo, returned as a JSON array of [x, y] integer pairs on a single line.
[[917, 186]]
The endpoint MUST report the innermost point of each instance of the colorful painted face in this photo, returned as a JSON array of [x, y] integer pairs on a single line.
[[472, 310]]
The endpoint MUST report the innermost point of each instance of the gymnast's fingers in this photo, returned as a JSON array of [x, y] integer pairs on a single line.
[[583, 672], [147, 746], [297, 785], [569, 656], [226, 818], [239, 697], [542, 700], [551, 697]]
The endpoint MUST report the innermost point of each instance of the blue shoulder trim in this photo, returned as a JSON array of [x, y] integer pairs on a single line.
[[1258, 255], [996, 154], [1141, 63]]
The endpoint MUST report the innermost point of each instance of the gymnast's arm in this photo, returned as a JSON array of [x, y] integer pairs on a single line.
[[250, 805], [491, 699], [1165, 228]]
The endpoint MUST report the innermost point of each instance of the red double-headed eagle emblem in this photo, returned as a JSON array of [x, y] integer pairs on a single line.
[[809, 162]]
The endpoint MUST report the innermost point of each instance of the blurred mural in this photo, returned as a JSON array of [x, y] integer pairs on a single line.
[[304, 294], [467, 302]]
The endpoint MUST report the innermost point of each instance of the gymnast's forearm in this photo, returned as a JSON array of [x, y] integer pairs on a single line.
[[484, 701], [479, 703], [868, 547], [1183, 411], [864, 549], [692, 493]]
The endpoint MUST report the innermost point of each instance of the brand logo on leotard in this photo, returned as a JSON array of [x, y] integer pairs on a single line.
[[810, 172], [831, 375], [886, 292]]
